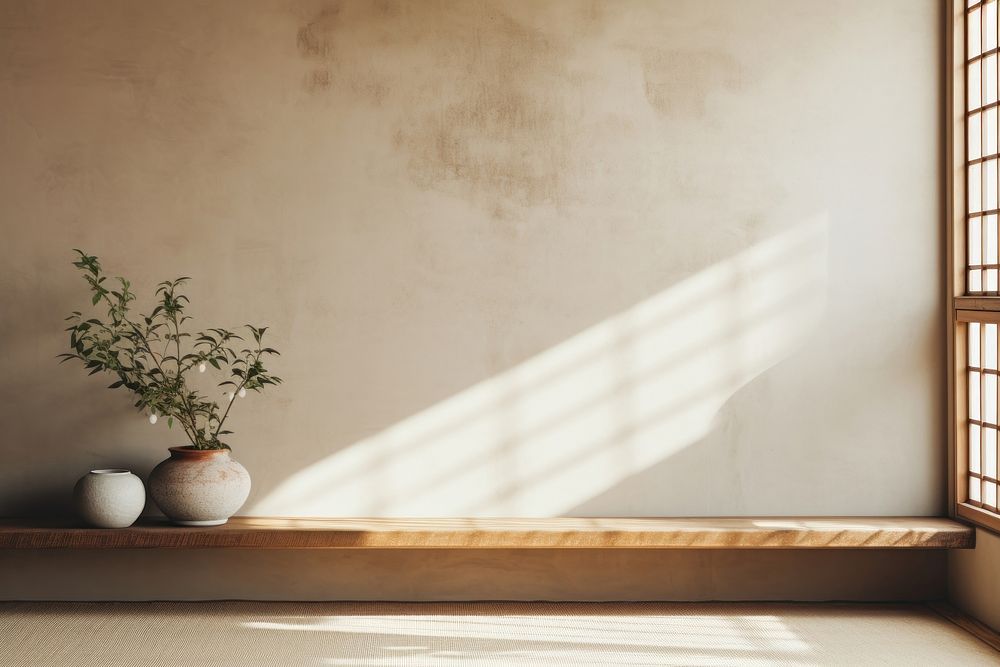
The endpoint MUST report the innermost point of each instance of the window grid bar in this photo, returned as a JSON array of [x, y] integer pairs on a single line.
[[982, 109], [983, 54], [982, 405], [986, 478], [982, 177], [983, 505], [980, 160]]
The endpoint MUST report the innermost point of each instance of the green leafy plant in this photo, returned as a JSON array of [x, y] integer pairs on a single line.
[[152, 355]]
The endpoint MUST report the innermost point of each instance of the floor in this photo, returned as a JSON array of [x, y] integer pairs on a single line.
[[389, 634]]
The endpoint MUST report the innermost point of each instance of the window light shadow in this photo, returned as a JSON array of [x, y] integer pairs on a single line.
[[571, 422], [649, 639]]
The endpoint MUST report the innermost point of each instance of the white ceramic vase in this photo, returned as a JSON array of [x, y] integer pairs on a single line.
[[109, 498], [199, 487]]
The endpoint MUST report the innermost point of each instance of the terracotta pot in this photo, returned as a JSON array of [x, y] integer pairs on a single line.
[[199, 487], [109, 498]]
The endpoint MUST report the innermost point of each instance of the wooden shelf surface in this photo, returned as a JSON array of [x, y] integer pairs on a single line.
[[688, 533]]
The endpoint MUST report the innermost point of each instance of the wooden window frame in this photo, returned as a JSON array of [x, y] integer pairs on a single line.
[[961, 308]]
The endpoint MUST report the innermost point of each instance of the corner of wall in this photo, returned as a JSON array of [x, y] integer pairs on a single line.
[[973, 584]]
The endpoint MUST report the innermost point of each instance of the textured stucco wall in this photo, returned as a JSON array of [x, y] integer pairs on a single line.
[[595, 258]]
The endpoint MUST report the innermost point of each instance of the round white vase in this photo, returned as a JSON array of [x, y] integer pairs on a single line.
[[109, 498], [199, 487]]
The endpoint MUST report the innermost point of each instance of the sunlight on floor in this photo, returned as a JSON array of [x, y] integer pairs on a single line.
[[685, 632], [568, 424], [509, 634]]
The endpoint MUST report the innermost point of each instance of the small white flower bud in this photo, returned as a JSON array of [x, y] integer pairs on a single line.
[[152, 418], [243, 392], [231, 396], [201, 367]]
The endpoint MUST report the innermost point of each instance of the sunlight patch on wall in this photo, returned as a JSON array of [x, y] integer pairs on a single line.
[[573, 421]]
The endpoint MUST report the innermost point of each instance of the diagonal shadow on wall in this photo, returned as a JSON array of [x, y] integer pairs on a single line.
[[546, 435]]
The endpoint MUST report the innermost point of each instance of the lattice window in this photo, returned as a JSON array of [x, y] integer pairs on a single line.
[[977, 311], [983, 349], [982, 150]]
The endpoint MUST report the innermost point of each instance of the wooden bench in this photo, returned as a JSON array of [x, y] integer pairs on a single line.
[[561, 533]]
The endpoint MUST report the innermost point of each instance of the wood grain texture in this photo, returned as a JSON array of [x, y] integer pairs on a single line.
[[560, 533], [474, 574], [979, 516]]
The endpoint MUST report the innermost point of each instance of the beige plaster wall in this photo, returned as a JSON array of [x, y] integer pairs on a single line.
[[522, 258]]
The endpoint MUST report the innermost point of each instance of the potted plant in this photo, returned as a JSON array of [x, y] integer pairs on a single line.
[[153, 356]]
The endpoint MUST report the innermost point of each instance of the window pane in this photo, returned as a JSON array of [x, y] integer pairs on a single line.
[[974, 395], [990, 452], [989, 397], [975, 240], [990, 346], [975, 136], [976, 280], [990, 238], [989, 27], [974, 447], [974, 329], [975, 22], [990, 78], [975, 90], [990, 185], [988, 143], [975, 188]]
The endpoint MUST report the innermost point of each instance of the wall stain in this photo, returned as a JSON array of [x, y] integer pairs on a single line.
[[314, 38], [491, 119], [318, 79], [490, 104], [120, 70], [507, 135], [369, 87], [678, 83], [386, 8]]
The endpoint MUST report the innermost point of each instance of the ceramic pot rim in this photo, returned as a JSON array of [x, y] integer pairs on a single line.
[[111, 471], [189, 452]]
